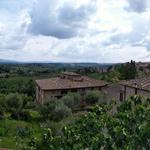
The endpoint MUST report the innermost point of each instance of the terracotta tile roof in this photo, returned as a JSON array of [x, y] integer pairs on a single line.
[[64, 83], [141, 83], [70, 73]]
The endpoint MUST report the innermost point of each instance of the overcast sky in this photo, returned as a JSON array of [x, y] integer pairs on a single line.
[[75, 30]]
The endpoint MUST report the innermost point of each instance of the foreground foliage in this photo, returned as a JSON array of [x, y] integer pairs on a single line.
[[126, 128]]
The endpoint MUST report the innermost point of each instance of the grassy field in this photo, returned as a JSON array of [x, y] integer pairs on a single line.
[[9, 128], [8, 131]]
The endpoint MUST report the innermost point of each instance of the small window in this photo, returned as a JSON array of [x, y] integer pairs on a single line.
[[74, 90], [135, 91], [64, 92], [121, 96]]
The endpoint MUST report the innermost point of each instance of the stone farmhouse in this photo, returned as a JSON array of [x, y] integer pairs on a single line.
[[67, 82], [72, 82], [139, 86], [125, 89]]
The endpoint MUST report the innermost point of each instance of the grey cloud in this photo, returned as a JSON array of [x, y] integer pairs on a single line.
[[44, 21], [12, 42], [49, 19], [69, 14], [137, 5], [50, 27], [135, 38], [13, 33]]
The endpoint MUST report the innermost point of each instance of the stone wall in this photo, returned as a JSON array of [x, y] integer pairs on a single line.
[[129, 92], [59, 93], [39, 94], [114, 92]]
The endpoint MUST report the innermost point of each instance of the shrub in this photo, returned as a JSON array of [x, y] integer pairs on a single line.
[[2, 105], [92, 97], [1, 113], [47, 108], [14, 102], [14, 105], [76, 97], [68, 101], [23, 132], [3, 131], [61, 111], [136, 99], [103, 99], [71, 100], [22, 115], [31, 105], [29, 88], [26, 100], [54, 109], [2, 100], [54, 126], [148, 101], [25, 115]]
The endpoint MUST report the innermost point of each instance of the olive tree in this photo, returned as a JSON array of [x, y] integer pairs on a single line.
[[92, 97], [47, 108], [54, 109], [71, 100], [2, 104], [14, 104], [61, 111]]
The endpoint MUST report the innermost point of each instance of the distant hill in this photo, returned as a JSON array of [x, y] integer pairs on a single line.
[[6, 61], [72, 64]]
